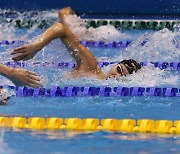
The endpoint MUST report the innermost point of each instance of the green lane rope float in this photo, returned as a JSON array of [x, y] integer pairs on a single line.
[[28, 23], [123, 24], [92, 124], [134, 24]]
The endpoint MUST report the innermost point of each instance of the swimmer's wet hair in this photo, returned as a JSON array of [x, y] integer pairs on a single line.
[[131, 65]]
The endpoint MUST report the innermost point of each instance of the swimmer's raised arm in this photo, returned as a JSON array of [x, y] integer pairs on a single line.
[[28, 51], [80, 53], [65, 12], [20, 77], [86, 62], [57, 30], [84, 58]]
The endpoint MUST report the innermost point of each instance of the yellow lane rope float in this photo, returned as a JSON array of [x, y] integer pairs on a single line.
[[92, 124]]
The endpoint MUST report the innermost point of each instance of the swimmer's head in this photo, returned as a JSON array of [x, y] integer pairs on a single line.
[[4, 96], [123, 68]]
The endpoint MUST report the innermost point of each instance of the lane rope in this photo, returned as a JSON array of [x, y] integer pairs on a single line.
[[92, 91], [99, 44], [174, 66], [134, 24], [92, 124]]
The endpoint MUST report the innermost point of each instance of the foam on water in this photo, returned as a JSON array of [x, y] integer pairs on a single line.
[[6, 32], [103, 33], [158, 46]]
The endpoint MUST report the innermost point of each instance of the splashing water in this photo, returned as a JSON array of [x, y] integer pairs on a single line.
[[156, 46], [6, 32], [147, 76], [103, 33], [9, 31], [159, 46]]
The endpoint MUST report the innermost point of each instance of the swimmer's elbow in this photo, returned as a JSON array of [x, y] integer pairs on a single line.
[[64, 12]]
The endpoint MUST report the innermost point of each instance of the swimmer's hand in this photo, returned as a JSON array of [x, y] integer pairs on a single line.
[[22, 77], [26, 52]]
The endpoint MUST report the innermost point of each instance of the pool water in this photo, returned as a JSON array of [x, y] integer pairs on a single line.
[[95, 142], [88, 142], [160, 46]]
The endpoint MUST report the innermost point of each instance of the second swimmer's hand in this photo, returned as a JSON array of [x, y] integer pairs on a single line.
[[23, 77], [26, 52]]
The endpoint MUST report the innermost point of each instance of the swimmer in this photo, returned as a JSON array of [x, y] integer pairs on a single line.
[[20, 77], [86, 62]]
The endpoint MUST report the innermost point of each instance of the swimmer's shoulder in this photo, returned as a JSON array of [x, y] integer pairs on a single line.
[[96, 74]]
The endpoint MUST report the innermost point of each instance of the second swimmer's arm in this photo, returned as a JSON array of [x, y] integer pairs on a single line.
[[28, 51], [20, 77], [5, 71]]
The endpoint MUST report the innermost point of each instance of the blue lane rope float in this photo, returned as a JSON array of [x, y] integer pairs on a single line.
[[103, 91], [121, 44], [174, 66], [91, 124], [99, 44], [6, 42]]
